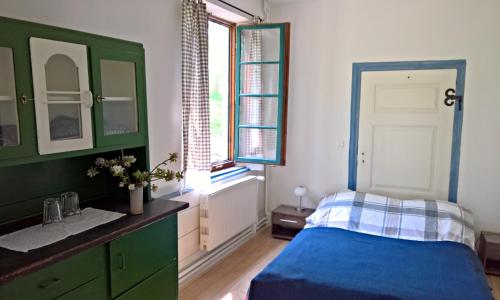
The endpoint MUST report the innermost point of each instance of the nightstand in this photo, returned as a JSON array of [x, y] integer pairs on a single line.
[[287, 221], [489, 251]]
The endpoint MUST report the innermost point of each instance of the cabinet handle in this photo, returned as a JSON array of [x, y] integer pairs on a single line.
[[91, 99], [47, 284], [24, 99], [289, 221], [122, 261]]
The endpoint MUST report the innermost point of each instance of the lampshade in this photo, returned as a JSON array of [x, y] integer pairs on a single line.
[[300, 191]]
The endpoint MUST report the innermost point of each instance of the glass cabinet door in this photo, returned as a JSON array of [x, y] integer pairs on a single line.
[[9, 121], [118, 98], [63, 100], [17, 124], [118, 79]]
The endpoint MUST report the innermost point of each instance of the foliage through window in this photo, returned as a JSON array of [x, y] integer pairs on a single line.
[[219, 56]]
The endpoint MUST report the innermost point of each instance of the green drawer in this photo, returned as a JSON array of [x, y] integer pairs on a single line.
[[96, 289], [139, 254], [58, 279], [162, 285]]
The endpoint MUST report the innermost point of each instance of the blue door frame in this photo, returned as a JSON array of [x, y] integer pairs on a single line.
[[359, 68]]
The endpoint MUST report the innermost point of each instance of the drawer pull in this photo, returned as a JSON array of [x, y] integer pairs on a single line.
[[289, 221], [49, 283], [122, 261]]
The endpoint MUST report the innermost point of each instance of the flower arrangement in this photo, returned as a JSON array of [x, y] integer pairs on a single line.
[[120, 167]]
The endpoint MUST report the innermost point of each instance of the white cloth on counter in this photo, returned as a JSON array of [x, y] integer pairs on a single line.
[[39, 236]]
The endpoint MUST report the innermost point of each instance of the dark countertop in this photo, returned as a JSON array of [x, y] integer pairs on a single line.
[[14, 264]]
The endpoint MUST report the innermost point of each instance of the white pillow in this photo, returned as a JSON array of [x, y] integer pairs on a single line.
[[419, 220]]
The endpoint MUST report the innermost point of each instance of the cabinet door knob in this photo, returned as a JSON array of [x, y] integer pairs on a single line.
[[122, 261]]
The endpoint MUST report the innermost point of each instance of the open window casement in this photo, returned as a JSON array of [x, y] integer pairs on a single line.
[[261, 93]]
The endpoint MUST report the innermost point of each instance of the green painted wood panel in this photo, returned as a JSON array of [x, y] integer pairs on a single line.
[[160, 286], [96, 289], [97, 55], [138, 255], [58, 279]]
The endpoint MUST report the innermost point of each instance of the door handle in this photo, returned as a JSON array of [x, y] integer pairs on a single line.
[[289, 221], [121, 267]]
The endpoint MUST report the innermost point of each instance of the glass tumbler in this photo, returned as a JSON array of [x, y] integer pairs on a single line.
[[52, 211], [71, 204]]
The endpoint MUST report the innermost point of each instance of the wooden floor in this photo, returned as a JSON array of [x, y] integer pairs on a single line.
[[230, 278]]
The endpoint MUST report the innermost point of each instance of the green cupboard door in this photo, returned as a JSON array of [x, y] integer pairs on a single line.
[[119, 85], [160, 286], [138, 255], [17, 118]]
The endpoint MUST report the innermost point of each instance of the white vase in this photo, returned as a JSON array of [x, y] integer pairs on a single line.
[[136, 201]]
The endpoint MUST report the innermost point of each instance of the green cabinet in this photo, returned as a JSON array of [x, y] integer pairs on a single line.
[[138, 255], [60, 278], [120, 97], [159, 286], [116, 95], [139, 265]]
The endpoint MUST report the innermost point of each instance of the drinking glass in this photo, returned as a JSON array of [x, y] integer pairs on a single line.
[[71, 204], [52, 211]]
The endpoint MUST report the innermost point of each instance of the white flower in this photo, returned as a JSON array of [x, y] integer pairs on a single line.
[[131, 186], [92, 172], [144, 183], [116, 170], [121, 184], [100, 161]]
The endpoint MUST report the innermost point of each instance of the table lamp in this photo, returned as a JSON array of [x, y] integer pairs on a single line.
[[300, 192]]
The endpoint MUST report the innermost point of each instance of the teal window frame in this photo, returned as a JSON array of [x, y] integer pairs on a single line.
[[281, 95]]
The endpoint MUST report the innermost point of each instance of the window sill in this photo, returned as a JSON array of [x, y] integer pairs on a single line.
[[227, 173]]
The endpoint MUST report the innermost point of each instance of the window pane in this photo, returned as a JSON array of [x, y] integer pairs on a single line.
[[218, 66], [259, 79], [257, 143], [119, 106], [65, 121], [260, 45], [260, 111], [61, 74], [9, 131]]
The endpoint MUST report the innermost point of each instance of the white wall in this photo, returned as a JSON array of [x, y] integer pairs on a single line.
[[156, 24], [329, 35]]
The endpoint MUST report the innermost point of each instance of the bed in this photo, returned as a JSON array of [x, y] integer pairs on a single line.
[[345, 255]]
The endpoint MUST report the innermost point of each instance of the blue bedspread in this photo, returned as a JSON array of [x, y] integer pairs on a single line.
[[331, 263]]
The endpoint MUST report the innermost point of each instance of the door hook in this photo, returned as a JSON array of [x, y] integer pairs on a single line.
[[451, 98]]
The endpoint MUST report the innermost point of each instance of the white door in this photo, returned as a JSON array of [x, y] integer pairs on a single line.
[[405, 133], [62, 97]]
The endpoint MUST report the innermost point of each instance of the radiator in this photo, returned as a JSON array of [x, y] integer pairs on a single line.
[[226, 210]]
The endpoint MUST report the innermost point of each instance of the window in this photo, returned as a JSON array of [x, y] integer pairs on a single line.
[[220, 66], [261, 93], [248, 92]]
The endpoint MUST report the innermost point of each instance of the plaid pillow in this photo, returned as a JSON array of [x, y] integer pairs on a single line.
[[419, 220]]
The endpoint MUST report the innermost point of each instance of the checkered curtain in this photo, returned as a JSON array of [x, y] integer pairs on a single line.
[[195, 88], [253, 140]]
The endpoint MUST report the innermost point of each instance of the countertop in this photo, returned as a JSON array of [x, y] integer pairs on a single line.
[[14, 264]]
